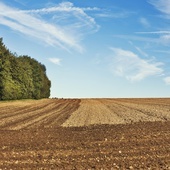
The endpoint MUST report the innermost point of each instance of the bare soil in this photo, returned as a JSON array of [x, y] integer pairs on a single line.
[[85, 134]]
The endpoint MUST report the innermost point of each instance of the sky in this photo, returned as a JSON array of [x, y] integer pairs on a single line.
[[92, 48]]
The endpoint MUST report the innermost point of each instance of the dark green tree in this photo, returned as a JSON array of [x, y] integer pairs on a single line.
[[22, 77]]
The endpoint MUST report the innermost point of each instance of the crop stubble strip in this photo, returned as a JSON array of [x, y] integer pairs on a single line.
[[106, 115], [109, 111], [153, 104], [154, 112], [91, 111], [129, 114], [144, 101], [121, 112]]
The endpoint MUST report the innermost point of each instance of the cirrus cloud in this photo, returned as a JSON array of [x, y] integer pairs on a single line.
[[161, 5], [129, 65], [66, 35]]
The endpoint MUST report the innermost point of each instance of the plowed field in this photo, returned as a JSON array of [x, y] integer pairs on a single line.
[[85, 134]]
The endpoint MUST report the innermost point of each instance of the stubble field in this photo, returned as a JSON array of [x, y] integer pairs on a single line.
[[85, 134]]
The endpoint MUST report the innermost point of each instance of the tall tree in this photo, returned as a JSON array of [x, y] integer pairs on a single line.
[[22, 77]]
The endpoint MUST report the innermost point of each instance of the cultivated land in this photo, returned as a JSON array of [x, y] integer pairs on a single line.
[[85, 134]]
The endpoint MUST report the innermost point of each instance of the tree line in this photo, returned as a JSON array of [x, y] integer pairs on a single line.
[[21, 77]]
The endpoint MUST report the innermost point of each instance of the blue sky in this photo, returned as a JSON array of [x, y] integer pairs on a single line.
[[92, 48]]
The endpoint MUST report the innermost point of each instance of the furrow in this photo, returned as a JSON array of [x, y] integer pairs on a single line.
[[45, 122], [23, 109], [154, 113], [129, 114], [20, 118], [63, 114], [38, 119]]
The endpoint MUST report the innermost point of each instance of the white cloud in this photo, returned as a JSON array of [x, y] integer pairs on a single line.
[[70, 15], [116, 14], [167, 80], [64, 7], [165, 39], [144, 22], [138, 38], [56, 61], [66, 34], [129, 65], [162, 51], [163, 36], [161, 5], [139, 49], [113, 15], [154, 32]]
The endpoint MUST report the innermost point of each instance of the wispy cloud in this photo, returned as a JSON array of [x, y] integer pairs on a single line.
[[138, 38], [162, 51], [139, 49], [162, 5], [167, 80], [129, 65], [64, 7], [155, 32], [51, 33], [157, 37], [163, 36], [144, 22], [56, 61], [116, 15], [66, 13]]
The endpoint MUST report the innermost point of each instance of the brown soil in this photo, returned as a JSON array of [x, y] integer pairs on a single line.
[[85, 134]]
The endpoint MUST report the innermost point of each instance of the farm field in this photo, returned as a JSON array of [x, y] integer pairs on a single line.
[[85, 134]]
